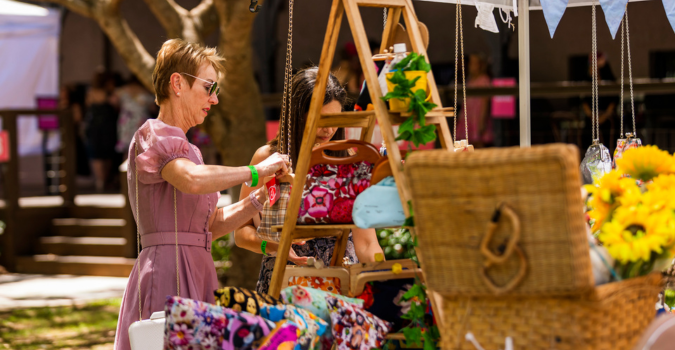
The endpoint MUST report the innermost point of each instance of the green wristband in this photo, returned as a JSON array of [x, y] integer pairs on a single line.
[[263, 245], [254, 176]]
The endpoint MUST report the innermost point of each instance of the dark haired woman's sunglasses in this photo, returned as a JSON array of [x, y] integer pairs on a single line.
[[214, 89]]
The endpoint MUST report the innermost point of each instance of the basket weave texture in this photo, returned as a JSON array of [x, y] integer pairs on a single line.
[[556, 305], [456, 194]]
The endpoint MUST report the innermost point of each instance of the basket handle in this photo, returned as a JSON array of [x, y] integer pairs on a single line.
[[492, 227], [511, 247], [514, 281]]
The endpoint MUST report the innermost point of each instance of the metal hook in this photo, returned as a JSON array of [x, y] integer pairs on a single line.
[[254, 6]]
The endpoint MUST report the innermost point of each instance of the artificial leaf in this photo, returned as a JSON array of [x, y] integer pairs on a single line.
[[415, 291], [428, 341], [413, 335], [402, 64]]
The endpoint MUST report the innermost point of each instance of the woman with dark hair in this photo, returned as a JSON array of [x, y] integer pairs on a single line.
[[363, 244]]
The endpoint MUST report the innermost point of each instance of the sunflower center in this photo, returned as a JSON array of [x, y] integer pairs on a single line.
[[635, 232]]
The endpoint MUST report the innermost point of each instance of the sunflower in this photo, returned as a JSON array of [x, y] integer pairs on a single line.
[[665, 182], [645, 163], [635, 232], [611, 191]]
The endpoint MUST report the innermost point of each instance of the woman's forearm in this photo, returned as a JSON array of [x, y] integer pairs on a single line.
[[366, 244], [232, 216], [245, 237], [191, 178]]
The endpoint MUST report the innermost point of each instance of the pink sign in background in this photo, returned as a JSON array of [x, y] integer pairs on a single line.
[[48, 122], [503, 107], [4, 146]]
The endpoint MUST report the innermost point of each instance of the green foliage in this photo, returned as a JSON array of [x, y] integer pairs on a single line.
[[414, 129], [670, 298], [220, 251], [90, 326], [413, 62]]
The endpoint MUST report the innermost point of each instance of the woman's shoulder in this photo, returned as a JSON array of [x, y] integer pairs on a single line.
[[261, 154]]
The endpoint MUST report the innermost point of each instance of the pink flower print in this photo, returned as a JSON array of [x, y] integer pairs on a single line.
[[318, 202], [342, 211], [321, 170], [181, 334], [345, 170], [361, 186], [301, 296], [336, 184]]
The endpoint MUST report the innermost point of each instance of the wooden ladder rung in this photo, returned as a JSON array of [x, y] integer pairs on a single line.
[[315, 231], [381, 3], [359, 119]]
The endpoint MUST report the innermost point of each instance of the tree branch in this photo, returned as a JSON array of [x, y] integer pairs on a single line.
[[205, 17], [82, 7], [169, 14]]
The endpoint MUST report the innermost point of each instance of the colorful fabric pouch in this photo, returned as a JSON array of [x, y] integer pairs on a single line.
[[326, 284], [196, 324], [313, 300], [241, 299], [355, 328], [330, 190], [310, 327], [274, 214], [284, 337]]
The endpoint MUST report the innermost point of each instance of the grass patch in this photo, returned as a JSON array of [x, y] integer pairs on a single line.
[[91, 326]]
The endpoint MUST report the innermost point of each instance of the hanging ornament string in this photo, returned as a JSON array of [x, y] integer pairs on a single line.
[[286, 116], [595, 115], [623, 34], [630, 76], [459, 45], [384, 18]]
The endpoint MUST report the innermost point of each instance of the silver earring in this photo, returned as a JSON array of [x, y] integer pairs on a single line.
[[178, 94]]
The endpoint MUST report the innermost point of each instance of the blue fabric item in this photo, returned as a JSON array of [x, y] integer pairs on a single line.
[[553, 12], [614, 10], [669, 6], [379, 206]]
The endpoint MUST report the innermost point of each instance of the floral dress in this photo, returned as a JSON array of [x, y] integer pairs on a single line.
[[320, 248]]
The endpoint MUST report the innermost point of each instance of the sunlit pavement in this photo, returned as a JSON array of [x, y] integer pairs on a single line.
[[23, 291]]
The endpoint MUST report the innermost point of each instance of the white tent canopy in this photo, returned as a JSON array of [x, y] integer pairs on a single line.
[[29, 53]]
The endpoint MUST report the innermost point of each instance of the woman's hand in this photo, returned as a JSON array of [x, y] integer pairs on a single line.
[[276, 164], [292, 256]]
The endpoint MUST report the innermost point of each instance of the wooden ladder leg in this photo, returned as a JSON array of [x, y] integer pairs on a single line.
[[340, 248], [280, 264]]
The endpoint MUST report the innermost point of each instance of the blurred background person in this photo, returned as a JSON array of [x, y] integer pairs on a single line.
[[101, 126], [72, 98], [481, 133], [607, 106], [136, 106]]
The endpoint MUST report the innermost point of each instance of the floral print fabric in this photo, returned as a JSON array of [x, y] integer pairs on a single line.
[[242, 299], [330, 190], [192, 324], [309, 326], [284, 337], [326, 284], [355, 328], [313, 300]]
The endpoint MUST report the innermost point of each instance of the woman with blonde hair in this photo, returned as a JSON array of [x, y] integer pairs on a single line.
[[173, 194]]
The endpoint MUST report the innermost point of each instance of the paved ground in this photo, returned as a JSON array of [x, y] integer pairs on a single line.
[[22, 291]]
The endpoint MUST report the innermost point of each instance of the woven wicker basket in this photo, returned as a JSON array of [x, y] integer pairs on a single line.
[[541, 290]]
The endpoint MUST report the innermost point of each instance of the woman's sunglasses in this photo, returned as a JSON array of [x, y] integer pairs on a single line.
[[214, 89]]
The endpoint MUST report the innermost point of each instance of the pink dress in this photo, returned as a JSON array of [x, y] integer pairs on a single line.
[[158, 144]]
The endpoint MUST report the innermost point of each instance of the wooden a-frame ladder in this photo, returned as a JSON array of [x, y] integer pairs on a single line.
[[362, 119]]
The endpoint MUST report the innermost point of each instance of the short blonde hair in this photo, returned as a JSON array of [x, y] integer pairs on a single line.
[[180, 56]]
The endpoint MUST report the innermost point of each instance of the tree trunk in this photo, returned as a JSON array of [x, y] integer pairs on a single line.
[[238, 127]]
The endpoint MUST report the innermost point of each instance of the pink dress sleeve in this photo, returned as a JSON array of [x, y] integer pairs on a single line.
[[158, 144]]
